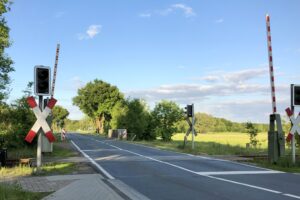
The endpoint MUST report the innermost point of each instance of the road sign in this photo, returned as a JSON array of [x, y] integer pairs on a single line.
[[41, 119], [295, 124]]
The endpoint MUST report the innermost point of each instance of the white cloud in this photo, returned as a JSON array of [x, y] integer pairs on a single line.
[[90, 33], [242, 110], [237, 76], [211, 78], [93, 30], [218, 21], [187, 11], [200, 92]]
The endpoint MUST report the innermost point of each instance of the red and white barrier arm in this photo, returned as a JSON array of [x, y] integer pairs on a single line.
[[271, 64]]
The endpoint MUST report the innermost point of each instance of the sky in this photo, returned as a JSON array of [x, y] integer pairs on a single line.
[[211, 53]]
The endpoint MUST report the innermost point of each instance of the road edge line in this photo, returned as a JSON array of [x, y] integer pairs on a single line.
[[93, 162]]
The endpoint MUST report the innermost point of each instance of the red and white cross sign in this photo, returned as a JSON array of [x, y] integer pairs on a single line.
[[295, 123], [41, 119]]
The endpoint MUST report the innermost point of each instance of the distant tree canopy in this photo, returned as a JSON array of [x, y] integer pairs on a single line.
[[97, 100], [5, 61], [60, 114], [205, 123]]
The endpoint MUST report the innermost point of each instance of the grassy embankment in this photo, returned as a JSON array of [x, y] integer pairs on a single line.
[[51, 168], [15, 192]]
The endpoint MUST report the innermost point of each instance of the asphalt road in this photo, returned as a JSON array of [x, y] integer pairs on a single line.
[[159, 174]]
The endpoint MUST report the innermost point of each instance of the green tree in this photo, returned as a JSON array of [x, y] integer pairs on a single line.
[[59, 114], [16, 120], [97, 100], [118, 116], [252, 131], [165, 115], [137, 118], [133, 115], [5, 61]]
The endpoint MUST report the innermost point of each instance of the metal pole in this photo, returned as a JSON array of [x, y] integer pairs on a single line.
[[293, 138], [39, 145], [193, 130]]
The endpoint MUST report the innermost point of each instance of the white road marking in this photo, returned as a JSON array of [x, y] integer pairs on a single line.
[[212, 177], [93, 161], [237, 173], [293, 196], [244, 184], [88, 150]]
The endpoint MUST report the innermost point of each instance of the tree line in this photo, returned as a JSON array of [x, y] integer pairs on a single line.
[[106, 108]]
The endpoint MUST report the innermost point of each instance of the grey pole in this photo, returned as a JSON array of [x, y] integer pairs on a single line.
[[293, 138], [39, 145], [193, 130]]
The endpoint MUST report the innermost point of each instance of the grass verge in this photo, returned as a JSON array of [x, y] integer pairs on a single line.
[[47, 169], [204, 148], [284, 164], [15, 192]]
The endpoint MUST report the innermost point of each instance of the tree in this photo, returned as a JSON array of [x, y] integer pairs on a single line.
[[252, 131], [5, 61], [97, 100], [16, 120], [137, 118], [60, 114], [165, 115], [133, 115], [118, 116]]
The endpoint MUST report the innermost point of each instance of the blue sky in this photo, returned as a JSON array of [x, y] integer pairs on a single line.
[[211, 53]]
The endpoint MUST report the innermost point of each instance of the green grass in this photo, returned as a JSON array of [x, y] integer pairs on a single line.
[[284, 164], [47, 169], [14, 192], [227, 138], [60, 150], [30, 152], [213, 144]]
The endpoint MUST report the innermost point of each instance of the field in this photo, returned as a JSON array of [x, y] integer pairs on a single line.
[[227, 138]]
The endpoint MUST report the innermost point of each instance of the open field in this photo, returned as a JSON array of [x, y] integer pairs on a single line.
[[226, 143], [227, 138]]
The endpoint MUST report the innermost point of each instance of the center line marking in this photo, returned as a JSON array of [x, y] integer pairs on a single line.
[[208, 176]]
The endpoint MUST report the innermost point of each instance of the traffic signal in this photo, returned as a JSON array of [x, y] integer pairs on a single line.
[[189, 110], [41, 80], [296, 95]]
